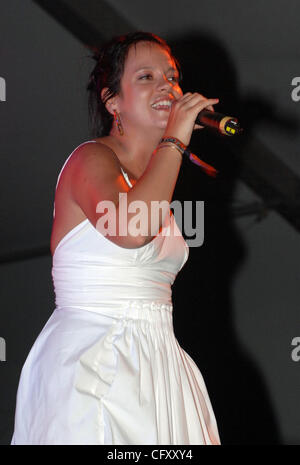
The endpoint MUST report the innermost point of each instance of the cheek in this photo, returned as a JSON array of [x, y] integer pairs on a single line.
[[137, 98]]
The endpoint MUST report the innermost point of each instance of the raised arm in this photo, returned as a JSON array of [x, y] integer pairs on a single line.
[[96, 177]]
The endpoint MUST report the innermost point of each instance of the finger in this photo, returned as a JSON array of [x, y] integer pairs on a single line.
[[196, 95], [185, 97], [211, 108], [198, 126], [208, 103], [196, 99]]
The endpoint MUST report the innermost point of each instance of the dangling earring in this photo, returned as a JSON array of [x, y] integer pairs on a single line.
[[118, 122]]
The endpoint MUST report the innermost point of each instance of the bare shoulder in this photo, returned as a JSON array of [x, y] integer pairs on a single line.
[[93, 164], [89, 176], [94, 176], [94, 155]]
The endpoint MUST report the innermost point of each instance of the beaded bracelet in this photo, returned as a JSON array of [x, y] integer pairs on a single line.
[[171, 146], [210, 170], [174, 140]]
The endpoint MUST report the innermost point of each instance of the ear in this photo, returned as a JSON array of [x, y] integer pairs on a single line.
[[111, 104]]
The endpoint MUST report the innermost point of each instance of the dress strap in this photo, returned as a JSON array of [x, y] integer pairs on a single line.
[[126, 177], [59, 175], [123, 172]]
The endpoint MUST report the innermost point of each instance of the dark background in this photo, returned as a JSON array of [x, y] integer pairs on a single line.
[[236, 301]]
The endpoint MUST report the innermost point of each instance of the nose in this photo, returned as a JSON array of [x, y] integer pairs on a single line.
[[164, 83]]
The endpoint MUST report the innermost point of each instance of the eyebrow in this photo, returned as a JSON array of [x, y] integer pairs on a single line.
[[150, 67]]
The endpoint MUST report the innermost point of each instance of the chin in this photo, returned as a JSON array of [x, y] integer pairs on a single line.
[[162, 124]]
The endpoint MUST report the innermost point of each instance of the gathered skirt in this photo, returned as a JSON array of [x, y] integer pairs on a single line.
[[107, 378]]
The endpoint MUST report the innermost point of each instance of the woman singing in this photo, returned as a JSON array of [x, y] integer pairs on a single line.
[[107, 367]]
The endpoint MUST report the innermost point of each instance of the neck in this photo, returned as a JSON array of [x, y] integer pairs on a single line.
[[135, 150]]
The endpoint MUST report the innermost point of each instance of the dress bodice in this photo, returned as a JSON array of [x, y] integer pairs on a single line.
[[91, 271]]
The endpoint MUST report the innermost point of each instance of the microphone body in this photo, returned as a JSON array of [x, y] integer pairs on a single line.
[[227, 125]]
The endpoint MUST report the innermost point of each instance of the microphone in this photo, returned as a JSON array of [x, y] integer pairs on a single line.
[[226, 125]]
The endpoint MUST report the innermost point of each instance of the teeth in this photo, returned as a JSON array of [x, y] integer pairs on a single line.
[[162, 103]]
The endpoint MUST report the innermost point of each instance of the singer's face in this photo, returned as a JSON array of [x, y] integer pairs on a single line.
[[150, 74]]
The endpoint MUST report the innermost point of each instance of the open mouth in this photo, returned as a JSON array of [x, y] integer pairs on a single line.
[[162, 105]]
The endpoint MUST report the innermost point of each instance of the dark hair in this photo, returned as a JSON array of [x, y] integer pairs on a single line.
[[110, 61]]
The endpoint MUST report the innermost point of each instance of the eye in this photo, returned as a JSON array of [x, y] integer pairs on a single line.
[[174, 78], [145, 76]]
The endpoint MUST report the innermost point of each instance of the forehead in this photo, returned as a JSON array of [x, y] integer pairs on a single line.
[[144, 54]]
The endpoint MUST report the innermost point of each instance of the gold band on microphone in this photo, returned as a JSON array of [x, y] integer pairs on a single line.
[[223, 123]]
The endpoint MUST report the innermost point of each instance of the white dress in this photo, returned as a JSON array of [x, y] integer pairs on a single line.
[[107, 367]]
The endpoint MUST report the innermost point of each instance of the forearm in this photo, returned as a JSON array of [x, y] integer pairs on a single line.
[[155, 185]]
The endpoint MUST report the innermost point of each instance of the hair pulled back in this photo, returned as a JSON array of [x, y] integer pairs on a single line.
[[110, 61]]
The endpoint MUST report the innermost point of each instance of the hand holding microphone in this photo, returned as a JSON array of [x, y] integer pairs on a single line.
[[194, 111], [225, 125], [184, 111], [196, 106]]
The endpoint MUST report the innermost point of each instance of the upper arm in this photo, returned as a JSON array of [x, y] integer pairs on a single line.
[[95, 176]]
